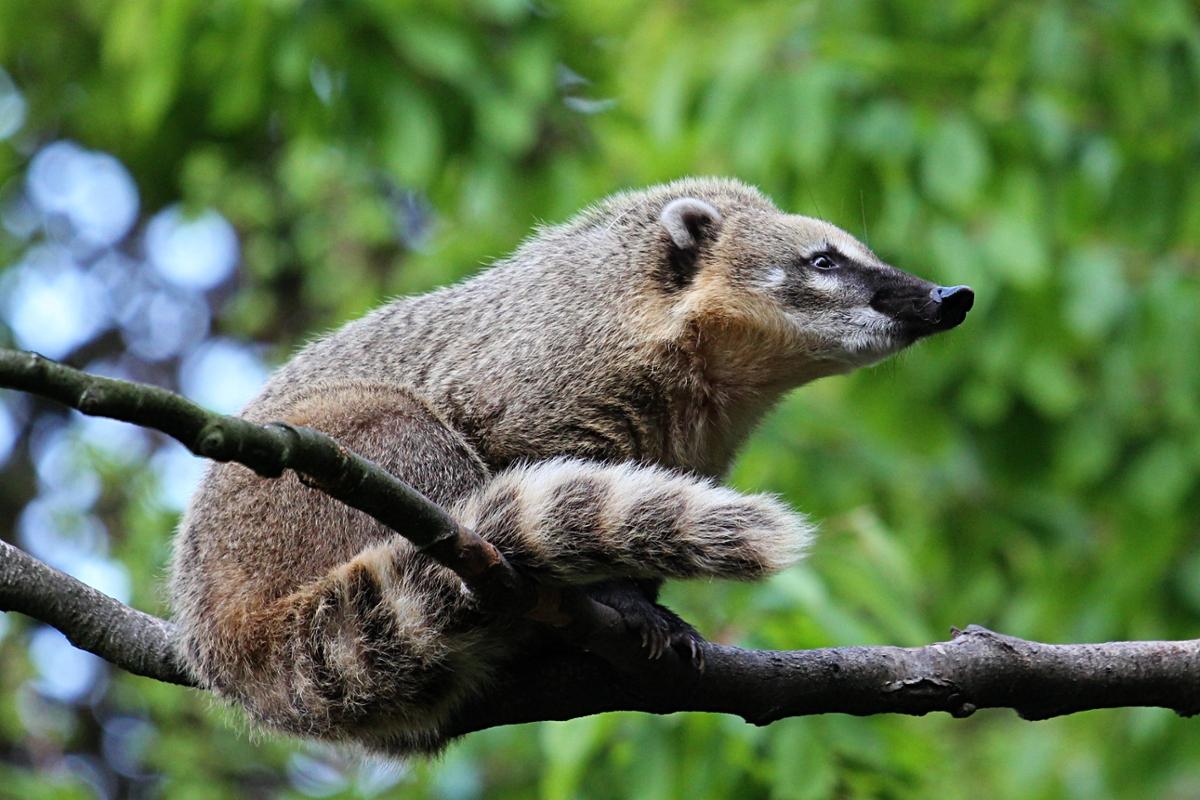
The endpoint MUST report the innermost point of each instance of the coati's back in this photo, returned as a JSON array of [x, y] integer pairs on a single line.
[[561, 404], [556, 350]]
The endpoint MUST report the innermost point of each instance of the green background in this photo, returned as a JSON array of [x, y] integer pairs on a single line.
[[1036, 471]]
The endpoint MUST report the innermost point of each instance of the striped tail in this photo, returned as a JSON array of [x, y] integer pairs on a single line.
[[577, 521]]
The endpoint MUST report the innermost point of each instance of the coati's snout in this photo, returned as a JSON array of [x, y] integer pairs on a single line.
[[922, 308]]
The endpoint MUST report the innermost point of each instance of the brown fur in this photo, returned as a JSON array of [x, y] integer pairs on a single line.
[[564, 403]]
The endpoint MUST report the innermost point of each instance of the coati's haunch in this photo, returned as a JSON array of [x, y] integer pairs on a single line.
[[574, 405]]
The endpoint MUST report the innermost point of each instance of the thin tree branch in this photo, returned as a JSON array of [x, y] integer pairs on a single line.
[[269, 450], [346, 476], [93, 621], [975, 669]]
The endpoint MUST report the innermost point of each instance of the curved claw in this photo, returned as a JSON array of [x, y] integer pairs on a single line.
[[697, 654], [659, 647], [689, 643]]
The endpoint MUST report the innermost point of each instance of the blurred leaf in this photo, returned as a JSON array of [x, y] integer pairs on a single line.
[[804, 767], [1015, 249], [411, 141], [1095, 291], [955, 163], [1036, 469]]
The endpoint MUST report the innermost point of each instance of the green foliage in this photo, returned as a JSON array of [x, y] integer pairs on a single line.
[[1036, 471]]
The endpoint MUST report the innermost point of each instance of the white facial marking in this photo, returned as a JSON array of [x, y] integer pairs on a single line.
[[855, 251], [873, 335], [822, 282], [774, 278], [868, 317]]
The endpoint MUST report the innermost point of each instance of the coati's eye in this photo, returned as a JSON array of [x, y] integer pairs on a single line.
[[822, 261]]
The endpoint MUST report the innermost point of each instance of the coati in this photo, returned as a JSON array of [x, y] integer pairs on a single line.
[[574, 404]]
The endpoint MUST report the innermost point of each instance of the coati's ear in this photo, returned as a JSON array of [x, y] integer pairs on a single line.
[[688, 220]]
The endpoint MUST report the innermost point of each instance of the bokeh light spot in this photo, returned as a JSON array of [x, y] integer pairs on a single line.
[[157, 325], [51, 304], [60, 535], [8, 433], [178, 472], [315, 777], [65, 673], [222, 375], [193, 252], [93, 191], [125, 742], [12, 107]]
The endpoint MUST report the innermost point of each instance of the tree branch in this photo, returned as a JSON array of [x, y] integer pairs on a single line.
[[346, 476], [91, 620], [975, 669]]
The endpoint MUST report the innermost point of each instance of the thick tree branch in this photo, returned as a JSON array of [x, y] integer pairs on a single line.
[[976, 669]]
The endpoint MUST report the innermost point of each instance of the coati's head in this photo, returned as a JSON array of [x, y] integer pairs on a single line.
[[786, 298]]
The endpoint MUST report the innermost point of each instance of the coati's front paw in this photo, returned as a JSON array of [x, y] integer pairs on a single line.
[[670, 630], [658, 627]]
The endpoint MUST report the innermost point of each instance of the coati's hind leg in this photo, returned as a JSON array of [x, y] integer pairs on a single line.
[[658, 627], [316, 617], [377, 648]]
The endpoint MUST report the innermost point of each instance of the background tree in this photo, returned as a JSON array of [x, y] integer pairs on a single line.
[[1037, 472]]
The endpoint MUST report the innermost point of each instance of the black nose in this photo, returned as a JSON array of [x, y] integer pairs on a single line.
[[953, 304]]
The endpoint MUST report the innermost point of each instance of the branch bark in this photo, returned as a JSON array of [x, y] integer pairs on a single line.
[[91, 620], [976, 669]]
